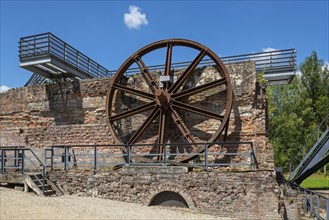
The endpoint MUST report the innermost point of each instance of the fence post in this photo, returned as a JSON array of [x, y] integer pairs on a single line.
[[65, 158], [311, 203], [305, 200], [52, 159], [95, 159], [327, 210], [23, 161], [164, 154], [2, 161], [318, 208], [206, 156], [43, 178], [128, 152]]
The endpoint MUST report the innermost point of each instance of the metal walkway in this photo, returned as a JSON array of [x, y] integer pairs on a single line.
[[316, 158], [49, 57]]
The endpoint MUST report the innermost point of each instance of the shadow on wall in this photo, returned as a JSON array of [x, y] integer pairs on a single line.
[[234, 136], [65, 103]]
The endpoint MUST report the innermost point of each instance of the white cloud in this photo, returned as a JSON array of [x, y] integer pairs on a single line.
[[268, 49], [4, 88], [135, 19]]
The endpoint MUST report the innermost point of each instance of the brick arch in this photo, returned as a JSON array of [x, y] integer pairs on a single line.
[[171, 188]]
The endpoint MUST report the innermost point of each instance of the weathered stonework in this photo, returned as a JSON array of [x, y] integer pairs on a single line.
[[74, 113], [244, 195]]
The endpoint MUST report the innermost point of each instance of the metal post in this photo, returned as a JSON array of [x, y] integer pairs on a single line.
[[52, 159], [43, 178], [164, 154], [23, 161], [305, 200], [64, 52], [2, 161], [206, 156], [128, 152], [251, 159], [15, 158], [95, 159], [327, 209], [311, 202], [65, 158], [49, 43], [318, 208]]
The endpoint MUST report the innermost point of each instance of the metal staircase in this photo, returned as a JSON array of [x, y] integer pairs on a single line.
[[22, 166], [317, 157]]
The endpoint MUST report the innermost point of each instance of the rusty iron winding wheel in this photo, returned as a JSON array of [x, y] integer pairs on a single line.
[[169, 106]]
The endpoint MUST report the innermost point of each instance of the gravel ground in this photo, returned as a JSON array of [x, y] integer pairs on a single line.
[[19, 205]]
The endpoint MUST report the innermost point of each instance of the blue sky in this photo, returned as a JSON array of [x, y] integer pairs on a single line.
[[98, 28]]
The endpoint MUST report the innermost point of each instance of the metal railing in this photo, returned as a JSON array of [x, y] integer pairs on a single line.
[[314, 203], [278, 61], [46, 44], [24, 161], [96, 157], [35, 46], [302, 155]]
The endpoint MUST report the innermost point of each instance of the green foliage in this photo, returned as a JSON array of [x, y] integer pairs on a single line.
[[316, 181], [295, 110]]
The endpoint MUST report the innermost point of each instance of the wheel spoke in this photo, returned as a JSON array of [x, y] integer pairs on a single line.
[[133, 111], [168, 64], [199, 89], [133, 91], [145, 124], [197, 110], [162, 126], [146, 74], [182, 126], [181, 80]]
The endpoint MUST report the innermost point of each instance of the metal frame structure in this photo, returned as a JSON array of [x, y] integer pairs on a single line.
[[49, 56], [61, 155], [25, 161], [303, 165]]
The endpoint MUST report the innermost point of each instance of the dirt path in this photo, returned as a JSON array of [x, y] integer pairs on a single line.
[[20, 205]]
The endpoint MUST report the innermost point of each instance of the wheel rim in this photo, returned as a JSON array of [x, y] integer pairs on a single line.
[[165, 105]]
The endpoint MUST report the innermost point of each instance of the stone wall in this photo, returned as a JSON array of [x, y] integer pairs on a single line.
[[74, 113], [243, 195]]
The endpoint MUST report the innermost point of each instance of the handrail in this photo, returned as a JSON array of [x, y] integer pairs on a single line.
[[308, 201], [54, 46], [23, 166], [271, 60], [302, 148], [128, 154]]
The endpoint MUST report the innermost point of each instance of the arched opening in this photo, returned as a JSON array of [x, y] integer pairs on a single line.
[[170, 199]]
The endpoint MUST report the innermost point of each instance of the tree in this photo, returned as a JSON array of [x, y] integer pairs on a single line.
[[295, 110]]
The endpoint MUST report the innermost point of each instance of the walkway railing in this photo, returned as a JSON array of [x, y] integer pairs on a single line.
[[315, 204], [271, 63], [20, 160], [315, 140], [46, 44], [96, 157]]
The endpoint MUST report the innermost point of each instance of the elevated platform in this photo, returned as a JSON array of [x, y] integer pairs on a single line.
[[50, 57]]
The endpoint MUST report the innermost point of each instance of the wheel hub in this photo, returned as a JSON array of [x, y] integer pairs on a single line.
[[162, 98]]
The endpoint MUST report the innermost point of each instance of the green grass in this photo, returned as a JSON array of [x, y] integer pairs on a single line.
[[316, 181]]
